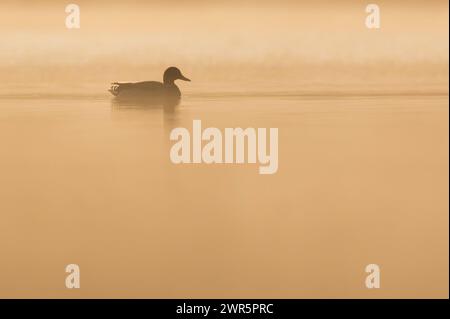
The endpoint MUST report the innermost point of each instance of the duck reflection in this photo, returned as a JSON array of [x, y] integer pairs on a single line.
[[142, 103]]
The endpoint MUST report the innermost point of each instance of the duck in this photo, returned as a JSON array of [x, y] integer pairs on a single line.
[[154, 90]]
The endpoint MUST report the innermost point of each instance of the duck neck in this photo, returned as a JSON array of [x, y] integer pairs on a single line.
[[168, 81]]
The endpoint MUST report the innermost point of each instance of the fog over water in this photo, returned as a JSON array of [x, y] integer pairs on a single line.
[[270, 46], [363, 150]]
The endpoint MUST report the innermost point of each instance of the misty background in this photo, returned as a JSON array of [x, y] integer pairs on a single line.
[[319, 46], [363, 150]]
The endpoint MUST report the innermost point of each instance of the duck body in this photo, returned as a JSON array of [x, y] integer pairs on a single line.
[[145, 89], [153, 90]]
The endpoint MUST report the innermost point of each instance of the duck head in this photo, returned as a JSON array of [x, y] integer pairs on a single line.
[[172, 74]]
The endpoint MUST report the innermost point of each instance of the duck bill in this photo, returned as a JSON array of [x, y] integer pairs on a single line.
[[182, 77]]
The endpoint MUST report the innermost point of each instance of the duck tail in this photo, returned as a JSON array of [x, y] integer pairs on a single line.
[[115, 88]]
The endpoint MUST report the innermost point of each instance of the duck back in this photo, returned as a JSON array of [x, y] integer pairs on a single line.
[[145, 89]]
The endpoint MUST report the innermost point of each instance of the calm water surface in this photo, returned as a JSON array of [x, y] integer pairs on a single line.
[[362, 179]]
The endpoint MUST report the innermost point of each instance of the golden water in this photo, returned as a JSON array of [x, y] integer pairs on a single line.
[[361, 180], [363, 151]]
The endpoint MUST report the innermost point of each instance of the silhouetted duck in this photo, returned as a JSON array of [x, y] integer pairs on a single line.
[[152, 90]]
